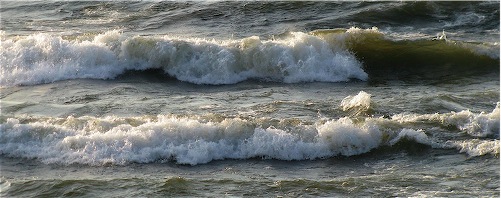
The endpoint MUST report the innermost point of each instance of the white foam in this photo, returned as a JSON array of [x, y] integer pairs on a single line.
[[191, 140], [410, 134], [98, 141], [348, 139], [477, 125], [356, 104], [42, 58], [476, 147]]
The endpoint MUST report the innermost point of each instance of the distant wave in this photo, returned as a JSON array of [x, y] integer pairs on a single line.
[[322, 55], [196, 140]]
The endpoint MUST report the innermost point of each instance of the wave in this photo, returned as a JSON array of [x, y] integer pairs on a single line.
[[197, 139], [322, 55], [406, 56], [357, 105], [43, 58]]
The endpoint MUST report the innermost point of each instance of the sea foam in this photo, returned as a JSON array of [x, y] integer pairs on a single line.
[[192, 140], [300, 57], [98, 141], [474, 124], [357, 105]]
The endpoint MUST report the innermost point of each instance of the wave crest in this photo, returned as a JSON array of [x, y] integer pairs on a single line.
[[192, 140], [42, 58]]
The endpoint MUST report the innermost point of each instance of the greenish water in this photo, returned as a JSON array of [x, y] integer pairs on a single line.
[[211, 99]]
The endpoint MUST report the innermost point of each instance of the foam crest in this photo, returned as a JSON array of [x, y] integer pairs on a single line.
[[98, 141], [476, 147], [194, 140], [409, 134], [42, 58], [358, 104], [113, 140], [477, 125], [348, 139]]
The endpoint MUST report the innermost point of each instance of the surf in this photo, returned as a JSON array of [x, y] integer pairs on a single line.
[[42, 58], [200, 139], [336, 55]]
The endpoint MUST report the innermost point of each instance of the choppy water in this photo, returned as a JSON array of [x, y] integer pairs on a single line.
[[249, 98]]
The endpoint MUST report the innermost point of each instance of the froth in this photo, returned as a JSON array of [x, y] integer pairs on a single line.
[[475, 124], [358, 104], [476, 147], [301, 57], [194, 140], [348, 139], [42, 58], [98, 141]]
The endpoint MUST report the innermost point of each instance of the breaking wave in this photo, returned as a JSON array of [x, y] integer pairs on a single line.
[[322, 55], [196, 140]]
